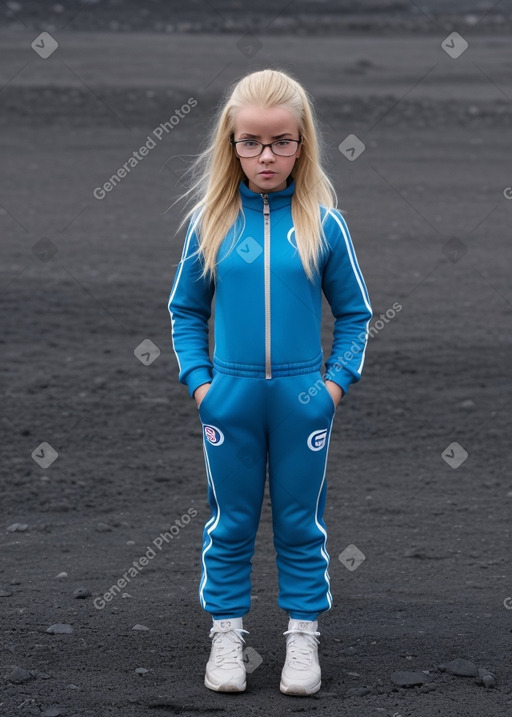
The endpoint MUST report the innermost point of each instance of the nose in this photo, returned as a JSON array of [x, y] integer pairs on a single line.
[[266, 155]]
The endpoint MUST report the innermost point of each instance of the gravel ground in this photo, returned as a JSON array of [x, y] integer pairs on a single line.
[[84, 281]]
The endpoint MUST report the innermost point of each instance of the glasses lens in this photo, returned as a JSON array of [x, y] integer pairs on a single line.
[[285, 147], [248, 148]]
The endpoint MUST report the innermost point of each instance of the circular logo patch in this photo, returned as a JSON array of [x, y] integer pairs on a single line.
[[316, 440], [213, 434]]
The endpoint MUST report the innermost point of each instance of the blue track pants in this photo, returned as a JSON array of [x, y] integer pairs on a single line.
[[245, 421]]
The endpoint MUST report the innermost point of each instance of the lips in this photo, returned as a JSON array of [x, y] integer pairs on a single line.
[[267, 173]]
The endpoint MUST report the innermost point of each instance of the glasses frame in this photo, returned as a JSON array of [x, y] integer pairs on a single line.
[[263, 146]]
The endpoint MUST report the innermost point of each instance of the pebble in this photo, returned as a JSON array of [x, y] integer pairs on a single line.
[[60, 628], [460, 667], [140, 627], [467, 405], [487, 677], [358, 691], [5, 593], [141, 670], [62, 575], [81, 593], [103, 527], [409, 679], [19, 674], [52, 712], [17, 528]]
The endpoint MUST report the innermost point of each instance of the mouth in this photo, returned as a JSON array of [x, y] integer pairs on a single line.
[[267, 173]]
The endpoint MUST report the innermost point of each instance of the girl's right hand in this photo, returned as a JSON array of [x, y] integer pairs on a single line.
[[201, 392]]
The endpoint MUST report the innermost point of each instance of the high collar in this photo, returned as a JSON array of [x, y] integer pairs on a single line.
[[277, 200]]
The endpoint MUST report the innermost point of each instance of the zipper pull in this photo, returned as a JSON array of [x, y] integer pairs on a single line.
[[266, 207]]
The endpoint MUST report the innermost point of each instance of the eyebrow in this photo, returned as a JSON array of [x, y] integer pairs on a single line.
[[257, 136]]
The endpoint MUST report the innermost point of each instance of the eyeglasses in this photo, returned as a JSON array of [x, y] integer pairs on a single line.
[[252, 148]]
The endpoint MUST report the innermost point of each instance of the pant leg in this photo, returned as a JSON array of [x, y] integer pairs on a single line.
[[302, 413], [235, 452]]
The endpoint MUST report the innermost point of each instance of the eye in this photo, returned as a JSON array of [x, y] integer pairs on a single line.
[[249, 143], [282, 143]]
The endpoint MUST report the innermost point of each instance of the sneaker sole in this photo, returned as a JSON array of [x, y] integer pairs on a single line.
[[225, 687], [299, 690]]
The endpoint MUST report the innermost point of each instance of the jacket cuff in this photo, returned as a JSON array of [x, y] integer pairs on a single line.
[[342, 377], [196, 378]]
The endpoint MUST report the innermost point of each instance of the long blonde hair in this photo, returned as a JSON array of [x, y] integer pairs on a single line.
[[218, 173]]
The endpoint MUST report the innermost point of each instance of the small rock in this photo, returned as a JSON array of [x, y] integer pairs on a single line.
[[141, 670], [103, 527], [358, 691], [126, 595], [409, 679], [487, 677], [460, 667], [52, 712], [140, 627], [60, 628], [17, 528], [467, 405], [19, 675], [42, 675], [81, 593], [62, 575], [71, 686], [4, 592]]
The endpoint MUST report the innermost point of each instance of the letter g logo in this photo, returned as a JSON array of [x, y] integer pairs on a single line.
[[317, 439]]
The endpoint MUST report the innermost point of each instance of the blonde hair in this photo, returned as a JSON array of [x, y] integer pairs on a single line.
[[218, 173]]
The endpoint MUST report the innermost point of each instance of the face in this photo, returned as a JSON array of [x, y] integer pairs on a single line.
[[268, 172]]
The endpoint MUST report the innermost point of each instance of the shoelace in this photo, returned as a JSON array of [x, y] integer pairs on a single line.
[[299, 647], [227, 646]]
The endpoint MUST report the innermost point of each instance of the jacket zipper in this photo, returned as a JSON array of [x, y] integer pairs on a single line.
[[266, 255]]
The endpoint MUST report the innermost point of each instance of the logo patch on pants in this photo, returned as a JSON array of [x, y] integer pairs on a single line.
[[213, 434], [317, 439]]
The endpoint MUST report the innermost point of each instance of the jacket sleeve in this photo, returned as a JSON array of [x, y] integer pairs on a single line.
[[345, 290], [189, 306]]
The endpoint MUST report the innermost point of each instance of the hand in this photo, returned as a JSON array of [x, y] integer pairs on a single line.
[[335, 391], [201, 392]]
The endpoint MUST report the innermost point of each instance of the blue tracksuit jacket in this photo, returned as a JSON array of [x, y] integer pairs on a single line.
[[267, 312]]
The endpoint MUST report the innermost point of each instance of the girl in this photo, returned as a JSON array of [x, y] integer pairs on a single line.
[[266, 238]]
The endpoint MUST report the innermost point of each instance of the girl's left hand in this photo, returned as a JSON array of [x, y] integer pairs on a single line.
[[335, 391]]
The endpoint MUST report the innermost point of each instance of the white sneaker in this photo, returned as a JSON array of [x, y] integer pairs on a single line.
[[225, 670], [301, 672]]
